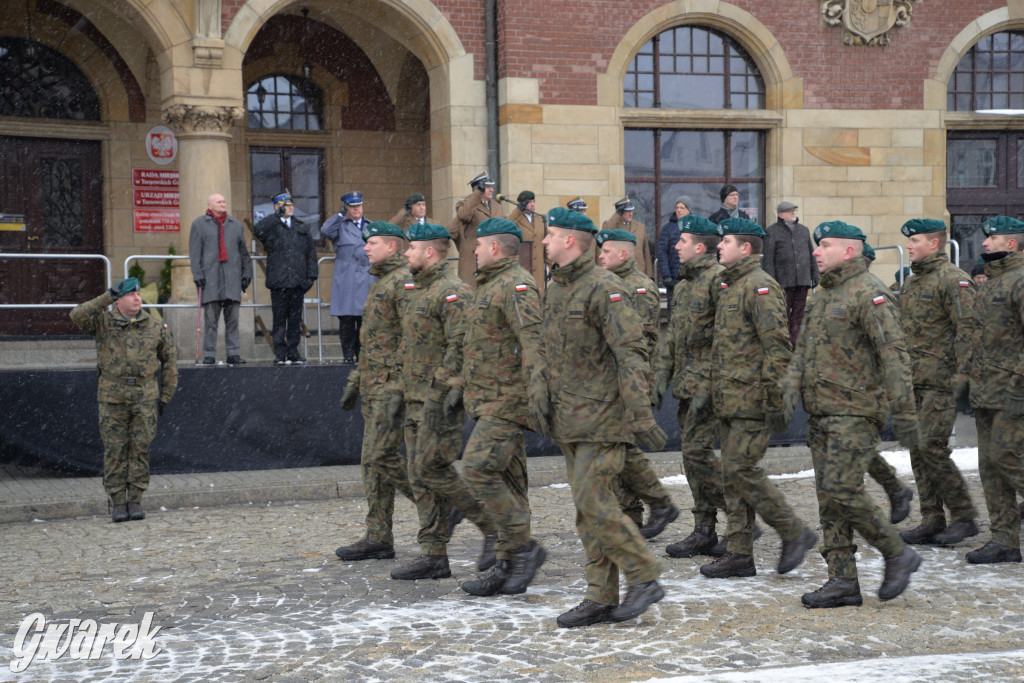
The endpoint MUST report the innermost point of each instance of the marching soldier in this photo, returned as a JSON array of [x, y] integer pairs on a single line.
[[531, 224], [623, 219], [383, 467], [469, 214], [138, 375]]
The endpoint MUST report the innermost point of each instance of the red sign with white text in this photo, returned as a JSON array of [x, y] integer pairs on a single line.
[[148, 220], [155, 178], [155, 199]]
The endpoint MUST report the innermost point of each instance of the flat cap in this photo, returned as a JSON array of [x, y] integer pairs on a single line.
[[1002, 225], [838, 229], [498, 226], [382, 229], [353, 198], [617, 235], [573, 220], [740, 226], [785, 206], [697, 225], [917, 226], [419, 232]]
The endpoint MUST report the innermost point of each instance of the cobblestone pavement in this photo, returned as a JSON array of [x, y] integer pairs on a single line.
[[254, 592]]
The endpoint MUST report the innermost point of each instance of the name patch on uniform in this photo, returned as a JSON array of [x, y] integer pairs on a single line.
[[878, 300], [521, 287], [452, 298], [615, 296], [763, 290], [410, 285], [641, 290], [965, 283]]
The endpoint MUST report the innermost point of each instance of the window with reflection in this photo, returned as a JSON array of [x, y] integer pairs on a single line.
[[37, 81], [284, 102], [990, 76]]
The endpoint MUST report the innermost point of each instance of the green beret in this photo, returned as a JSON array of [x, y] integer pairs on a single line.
[[838, 229], [573, 220], [697, 225], [128, 285], [1001, 225], [917, 226], [525, 196], [498, 226], [740, 226], [869, 252], [382, 228], [616, 235], [414, 198], [906, 271], [419, 232]]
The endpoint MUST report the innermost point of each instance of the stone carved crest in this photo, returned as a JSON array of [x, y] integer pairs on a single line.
[[867, 22]]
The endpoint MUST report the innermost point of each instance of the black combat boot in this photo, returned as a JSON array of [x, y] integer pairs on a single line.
[[135, 511], [897, 573], [120, 513], [993, 552], [492, 583], [487, 557], [638, 599], [920, 535], [524, 565], [728, 565], [956, 532], [658, 520], [454, 517], [719, 549], [899, 504], [835, 593], [793, 552], [586, 613], [365, 550], [424, 567], [699, 542]]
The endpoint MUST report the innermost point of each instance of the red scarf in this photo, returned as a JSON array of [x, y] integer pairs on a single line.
[[222, 248]]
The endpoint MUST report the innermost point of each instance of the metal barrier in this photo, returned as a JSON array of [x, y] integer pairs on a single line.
[[107, 270]]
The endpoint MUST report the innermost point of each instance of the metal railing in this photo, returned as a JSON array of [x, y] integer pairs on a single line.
[[99, 257]]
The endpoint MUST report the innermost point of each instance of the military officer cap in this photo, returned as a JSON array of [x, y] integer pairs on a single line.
[[130, 284], [869, 252], [918, 226], [414, 198], [740, 226], [383, 229], [577, 204], [498, 226], [525, 196], [838, 229], [623, 205], [697, 225], [617, 235], [1002, 225], [481, 181], [282, 198], [353, 198], [573, 220], [419, 232]]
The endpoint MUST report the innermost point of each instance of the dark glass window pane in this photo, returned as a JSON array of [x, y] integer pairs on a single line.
[[639, 152], [692, 92], [1020, 163], [266, 175], [693, 153], [288, 103], [747, 161], [971, 163], [305, 174], [42, 83], [989, 73]]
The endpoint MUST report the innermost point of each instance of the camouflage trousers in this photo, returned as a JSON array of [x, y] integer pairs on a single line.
[[494, 464], [610, 540], [384, 469], [841, 448], [747, 489], [939, 482], [639, 484], [702, 467], [884, 473], [436, 484], [127, 430], [1001, 466]]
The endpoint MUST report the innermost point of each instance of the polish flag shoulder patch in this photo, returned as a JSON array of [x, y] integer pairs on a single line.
[[410, 285], [641, 290], [452, 298], [521, 287], [615, 296], [965, 283], [763, 290], [725, 285], [878, 300]]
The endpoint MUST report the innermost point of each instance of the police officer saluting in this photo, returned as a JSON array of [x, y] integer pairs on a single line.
[[138, 376]]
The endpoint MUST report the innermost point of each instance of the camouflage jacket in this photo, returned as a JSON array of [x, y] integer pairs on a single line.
[[593, 357], [646, 301], [502, 336], [380, 334], [433, 326], [686, 353], [851, 357], [136, 358], [751, 349], [937, 314], [997, 358]]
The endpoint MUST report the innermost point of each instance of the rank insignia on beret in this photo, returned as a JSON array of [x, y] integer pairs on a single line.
[[878, 300], [641, 290], [763, 290], [410, 285], [965, 283], [522, 287], [615, 297], [452, 298]]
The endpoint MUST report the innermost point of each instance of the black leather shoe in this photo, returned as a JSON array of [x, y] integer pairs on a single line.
[[920, 535], [236, 360], [638, 599], [490, 584], [899, 504], [365, 550], [424, 567], [993, 552], [793, 552], [897, 573], [135, 512], [835, 593], [586, 613], [956, 532], [120, 513], [487, 557], [524, 565], [297, 360], [700, 540], [658, 520], [728, 565], [209, 360]]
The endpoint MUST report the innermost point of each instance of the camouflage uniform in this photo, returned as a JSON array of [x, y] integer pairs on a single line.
[[851, 365], [595, 367], [384, 468], [137, 365], [749, 353], [996, 372], [499, 353], [639, 481], [686, 359], [433, 327], [936, 312]]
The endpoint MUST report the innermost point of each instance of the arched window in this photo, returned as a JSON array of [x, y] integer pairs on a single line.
[[284, 102], [38, 82], [990, 76]]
